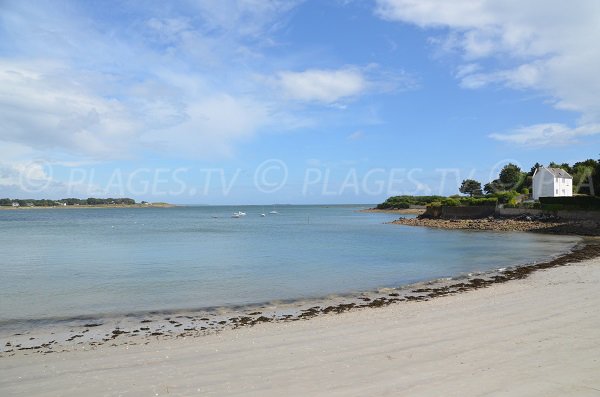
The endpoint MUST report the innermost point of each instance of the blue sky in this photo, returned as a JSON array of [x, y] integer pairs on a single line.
[[263, 102]]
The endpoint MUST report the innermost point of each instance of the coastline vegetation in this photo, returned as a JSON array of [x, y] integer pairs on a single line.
[[512, 189], [92, 201], [586, 178], [404, 202]]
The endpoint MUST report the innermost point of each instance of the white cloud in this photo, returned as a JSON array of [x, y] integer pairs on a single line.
[[167, 79], [16, 174], [43, 109], [326, 86], [180, 81], [330, 86], [459, 13], [212, 126], [541, 45], [36, 179], [27, 179], [356, 136], [467, 69], [549, 134], [245, 17]]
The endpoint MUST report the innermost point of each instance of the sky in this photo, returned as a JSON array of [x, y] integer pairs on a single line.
[[269, 101]]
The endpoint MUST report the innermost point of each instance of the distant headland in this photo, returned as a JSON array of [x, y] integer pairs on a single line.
[[91, 202]]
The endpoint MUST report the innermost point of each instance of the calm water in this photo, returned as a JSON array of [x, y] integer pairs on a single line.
[[64, 263]]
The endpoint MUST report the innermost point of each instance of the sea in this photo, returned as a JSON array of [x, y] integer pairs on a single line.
[[59, 264]]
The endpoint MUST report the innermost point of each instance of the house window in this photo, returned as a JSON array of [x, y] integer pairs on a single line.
[[556, 191]]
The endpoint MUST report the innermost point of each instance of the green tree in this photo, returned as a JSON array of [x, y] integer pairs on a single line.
[[583, 176], [511, 177], [493, 187], [563, 166], [471, 187], [535, 167]]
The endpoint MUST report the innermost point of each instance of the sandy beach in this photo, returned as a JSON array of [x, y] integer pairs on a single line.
[[537, 336]]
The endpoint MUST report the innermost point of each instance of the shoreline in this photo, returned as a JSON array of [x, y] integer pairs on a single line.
[[504, 224], [536, 335], [97, 332], [157, 205]]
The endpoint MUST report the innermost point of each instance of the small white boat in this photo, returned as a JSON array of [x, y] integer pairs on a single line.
[[238, 214], [262, 215], [273, 212]]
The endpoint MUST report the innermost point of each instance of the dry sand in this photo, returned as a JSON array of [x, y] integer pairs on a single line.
[[539, 336]]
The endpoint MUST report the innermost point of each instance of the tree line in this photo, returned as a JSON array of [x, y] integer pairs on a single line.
[[586, 179], [511, 182], [6, 202]]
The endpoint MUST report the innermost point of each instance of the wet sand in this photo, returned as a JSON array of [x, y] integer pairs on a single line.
[[64, 334], [534, 335]]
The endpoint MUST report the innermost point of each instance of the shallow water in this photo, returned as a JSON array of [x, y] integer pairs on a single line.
[[64, 263]]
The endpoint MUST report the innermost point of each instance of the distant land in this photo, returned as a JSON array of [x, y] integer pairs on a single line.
[[92, 202]]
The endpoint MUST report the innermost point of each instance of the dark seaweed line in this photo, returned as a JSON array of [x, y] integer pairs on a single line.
[[584, 251], [580, 253]]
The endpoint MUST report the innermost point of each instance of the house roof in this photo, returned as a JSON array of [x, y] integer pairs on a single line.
[[559, 173]]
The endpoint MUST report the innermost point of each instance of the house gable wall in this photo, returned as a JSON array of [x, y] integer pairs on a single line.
[[545, 184]]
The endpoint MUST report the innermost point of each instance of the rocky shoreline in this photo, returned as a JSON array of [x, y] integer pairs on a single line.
[[549, 225]]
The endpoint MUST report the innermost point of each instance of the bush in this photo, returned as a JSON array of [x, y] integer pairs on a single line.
[[393, 205], [398, 202], [407, 201], [478, 201], [465, 201], [451, 202], [531, 205], [506, 196]]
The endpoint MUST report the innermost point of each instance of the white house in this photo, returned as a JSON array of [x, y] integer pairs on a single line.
[[552, 182], [15, 204]]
